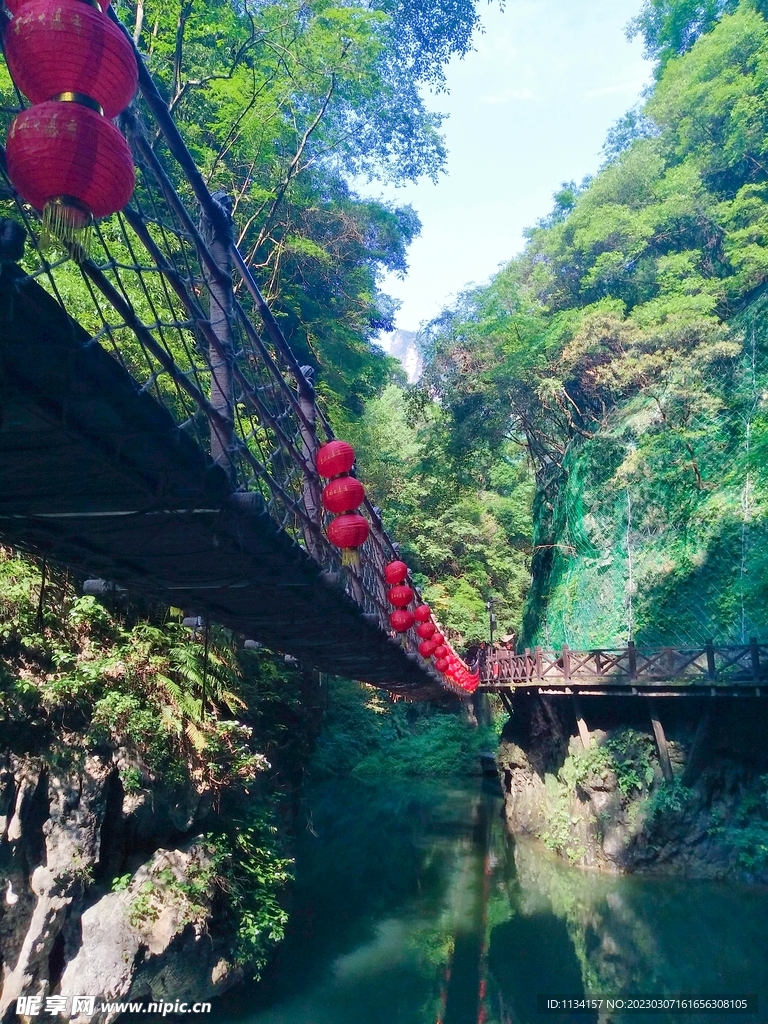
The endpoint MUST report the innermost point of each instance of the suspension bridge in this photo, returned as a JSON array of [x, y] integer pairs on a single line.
[[156, 429]]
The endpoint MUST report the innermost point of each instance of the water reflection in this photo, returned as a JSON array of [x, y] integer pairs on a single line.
[[411, 907]]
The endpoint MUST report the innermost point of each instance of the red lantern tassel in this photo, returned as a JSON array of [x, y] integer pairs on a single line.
[[69, 221], [350, 556]]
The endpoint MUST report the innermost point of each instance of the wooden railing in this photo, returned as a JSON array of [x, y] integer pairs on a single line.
[[628, 666]]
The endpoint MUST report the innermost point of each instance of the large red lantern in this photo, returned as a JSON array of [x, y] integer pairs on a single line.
[[401, 621], [335, 458], [400, 597], [395, 572], [426, 648], [423, 613], [441, 651], [72, 164], [14, 6], [426, 630], [441, 665], [349, 533], [438, 637], [345, 493], [55, 47]]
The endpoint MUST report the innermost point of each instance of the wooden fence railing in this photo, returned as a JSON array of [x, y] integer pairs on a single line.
[[630, 665]]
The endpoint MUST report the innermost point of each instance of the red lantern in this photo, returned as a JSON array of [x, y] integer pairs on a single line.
[[14, 6], [65, 46], [423, 613], [345, 493], [426, 648], [401, 621], [349, 533], [441, 665], [426, 630], [71, 163], [400, 597], [438, 638], [441, 651], [335, 458], [395, 572]]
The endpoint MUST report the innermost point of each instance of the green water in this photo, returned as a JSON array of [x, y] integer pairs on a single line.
[[412, 907]]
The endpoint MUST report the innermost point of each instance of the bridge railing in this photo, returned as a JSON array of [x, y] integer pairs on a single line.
[[167, 292], [631, 665]]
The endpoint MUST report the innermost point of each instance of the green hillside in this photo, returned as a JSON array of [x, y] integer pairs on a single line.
[[627, 351]]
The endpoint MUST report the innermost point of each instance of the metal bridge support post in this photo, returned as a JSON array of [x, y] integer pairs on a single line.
[[309, 445], [379, 557], [219, 237], [754, 656], [632, 659], [709, 648]]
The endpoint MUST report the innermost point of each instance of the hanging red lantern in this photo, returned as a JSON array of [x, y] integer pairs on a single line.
[[395, 572], [349, 533], [441, 665], [426, 648], [401, 621], [400, 597], [423, 613], [335, 458], [72, 164], [55, 47], [14, 6], [345, 493], [426, 630], [438, 637], [441, 651]]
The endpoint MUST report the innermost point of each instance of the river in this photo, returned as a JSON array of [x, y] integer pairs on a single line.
[[411, 906]]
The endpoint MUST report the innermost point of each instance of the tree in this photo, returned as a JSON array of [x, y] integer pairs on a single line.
[[283, 104], [671, 27]]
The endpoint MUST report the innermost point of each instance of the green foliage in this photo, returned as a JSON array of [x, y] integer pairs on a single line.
[[667, 797], [626, 756], [368, 735], [671, 27], [464, 528], [745, 830], [138, 686], [625, 350], [249, 866]]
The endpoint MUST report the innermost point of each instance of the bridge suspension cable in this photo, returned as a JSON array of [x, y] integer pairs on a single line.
[[158, 292]]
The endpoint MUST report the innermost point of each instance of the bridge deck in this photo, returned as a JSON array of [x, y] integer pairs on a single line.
[[95, 474], [711, 670]]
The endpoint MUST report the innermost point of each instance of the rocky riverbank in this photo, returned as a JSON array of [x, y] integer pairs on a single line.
[[610, 807], [142, 838], [71, 925]]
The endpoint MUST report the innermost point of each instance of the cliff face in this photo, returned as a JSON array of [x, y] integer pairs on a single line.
[[140, 852], [608, 807], [66, 926]]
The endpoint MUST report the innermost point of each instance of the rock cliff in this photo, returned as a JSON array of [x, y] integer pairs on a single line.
[[66, 926], [609, 807]]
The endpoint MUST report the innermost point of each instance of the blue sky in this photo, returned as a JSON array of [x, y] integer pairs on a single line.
[[528, 110]]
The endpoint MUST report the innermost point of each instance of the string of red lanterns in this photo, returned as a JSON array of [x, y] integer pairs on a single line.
[[433, 644], [65, 157], [342, 496]]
